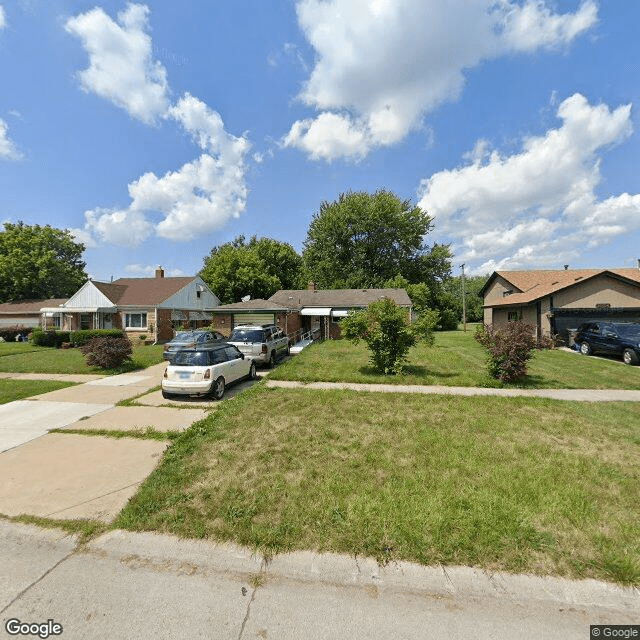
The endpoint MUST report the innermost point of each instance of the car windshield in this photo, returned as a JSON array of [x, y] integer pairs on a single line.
[[186, 336], [629, 330], [192, 358], [247, 335]]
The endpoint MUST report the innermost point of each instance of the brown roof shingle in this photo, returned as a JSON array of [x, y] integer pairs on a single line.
[[534, 285], [299, 298], [30, 306], [144, 291]]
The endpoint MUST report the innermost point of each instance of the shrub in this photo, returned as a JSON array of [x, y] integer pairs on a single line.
[[384, 326], [107, 352], [83, 336], [548, 342], [8, 334], [509, 349], [49, 338]]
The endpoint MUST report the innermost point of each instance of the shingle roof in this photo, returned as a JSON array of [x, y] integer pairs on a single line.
[[30, 306], [534, 285], [299, 298], [252, 305], [143, 291]]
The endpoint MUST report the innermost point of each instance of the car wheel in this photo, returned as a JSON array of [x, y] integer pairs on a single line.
[[166, 395], [252, 371], [629, 356], [272, 360], [217, 391], [585, 349]]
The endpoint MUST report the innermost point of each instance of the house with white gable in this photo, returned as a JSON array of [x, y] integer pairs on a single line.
[[150, 306]]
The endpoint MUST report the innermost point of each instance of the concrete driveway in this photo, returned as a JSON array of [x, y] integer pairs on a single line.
[[68, 476]]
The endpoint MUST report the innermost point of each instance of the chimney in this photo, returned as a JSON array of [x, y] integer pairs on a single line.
[[638, 264], [312, 286], [566, 266], [159, 272]]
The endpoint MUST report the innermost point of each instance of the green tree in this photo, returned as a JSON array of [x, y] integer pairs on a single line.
[[39, 262], [472, 287], [363, 240], [257, 268], [386, 329]]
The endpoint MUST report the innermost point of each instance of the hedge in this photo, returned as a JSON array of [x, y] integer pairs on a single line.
[[8, 334], [53, 338]]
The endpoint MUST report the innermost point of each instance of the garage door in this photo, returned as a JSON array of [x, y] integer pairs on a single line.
[[566, 319], [253, 318]]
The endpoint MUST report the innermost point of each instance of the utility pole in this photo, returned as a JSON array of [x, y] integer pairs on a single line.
[[464, 301]]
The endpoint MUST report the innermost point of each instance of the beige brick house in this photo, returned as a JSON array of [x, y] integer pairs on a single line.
[[556, 301], [302, 310], [141, 306]]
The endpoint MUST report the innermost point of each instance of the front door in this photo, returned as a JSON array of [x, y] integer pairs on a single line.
[[107, 321]]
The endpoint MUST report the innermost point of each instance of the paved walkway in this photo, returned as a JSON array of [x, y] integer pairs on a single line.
[[582, 395]]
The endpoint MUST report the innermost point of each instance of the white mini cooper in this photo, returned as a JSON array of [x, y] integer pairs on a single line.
[[206, 371]]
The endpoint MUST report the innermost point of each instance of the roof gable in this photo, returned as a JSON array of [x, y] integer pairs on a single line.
[[534, 285], [149, 291], [90, 295]]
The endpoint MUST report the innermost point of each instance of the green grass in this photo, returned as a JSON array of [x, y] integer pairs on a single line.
[[514, 484], [11, 390], [148, 433], [456, 360], [84, 529], [27, 358]]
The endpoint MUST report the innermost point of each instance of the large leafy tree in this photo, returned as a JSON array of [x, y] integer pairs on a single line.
[[363, 240], [39, 262], [257, 268]]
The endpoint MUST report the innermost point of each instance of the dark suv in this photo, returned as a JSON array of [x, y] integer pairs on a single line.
[[610, 338]]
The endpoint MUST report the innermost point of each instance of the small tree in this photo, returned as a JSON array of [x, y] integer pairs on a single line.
[[509, 349], [107, 352], [385, 328]]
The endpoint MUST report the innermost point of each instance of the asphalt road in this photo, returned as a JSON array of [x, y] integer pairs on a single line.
[[142, 586]]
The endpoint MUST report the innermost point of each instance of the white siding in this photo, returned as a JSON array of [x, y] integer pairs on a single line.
[[187, 297], [88, 296]]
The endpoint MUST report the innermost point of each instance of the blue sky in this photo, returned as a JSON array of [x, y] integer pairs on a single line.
[[157, 131]]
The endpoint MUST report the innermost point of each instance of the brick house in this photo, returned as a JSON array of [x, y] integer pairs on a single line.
[[141, 306], [302, 310], [556, 301]]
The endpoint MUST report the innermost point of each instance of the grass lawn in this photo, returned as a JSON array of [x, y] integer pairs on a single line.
[[514, 484], [455, 360], [24, 357], [17, 389]]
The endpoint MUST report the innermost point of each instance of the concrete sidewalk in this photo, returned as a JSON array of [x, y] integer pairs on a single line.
[[140, 585], [581, 395]]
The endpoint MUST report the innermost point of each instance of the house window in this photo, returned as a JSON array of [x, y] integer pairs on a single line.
[[135, 320], [56, 320], [85, 321], [198, 293], [507, 292], [512, 316]]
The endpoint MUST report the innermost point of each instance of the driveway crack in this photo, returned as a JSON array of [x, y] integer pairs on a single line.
[[246, 615]]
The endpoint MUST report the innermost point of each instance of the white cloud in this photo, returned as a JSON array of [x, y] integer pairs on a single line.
[[3, 20], [121, 68], [202, 196], [532, 206], [8, 149], [390, 62]]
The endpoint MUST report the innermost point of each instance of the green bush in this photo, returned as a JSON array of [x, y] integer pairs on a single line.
[[81, 337], [384, 326], [107, 352], [509, 348], [49, 338], [8, 334]]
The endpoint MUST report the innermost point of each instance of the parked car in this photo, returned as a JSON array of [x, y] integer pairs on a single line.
[[263, 343], [206, 371], [610, 338], [190, 340]]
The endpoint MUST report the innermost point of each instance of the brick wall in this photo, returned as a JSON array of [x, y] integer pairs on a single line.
[[222, 323], [164, 330]]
